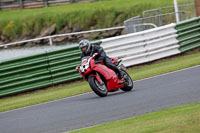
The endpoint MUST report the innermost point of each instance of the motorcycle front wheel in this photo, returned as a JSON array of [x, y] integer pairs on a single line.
[[99, 88]]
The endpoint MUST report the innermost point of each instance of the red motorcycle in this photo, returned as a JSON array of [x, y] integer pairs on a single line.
[[103, 79]]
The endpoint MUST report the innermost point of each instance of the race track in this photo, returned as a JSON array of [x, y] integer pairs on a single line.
[[156, 93]]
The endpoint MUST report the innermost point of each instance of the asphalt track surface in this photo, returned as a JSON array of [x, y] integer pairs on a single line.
[[152, 94]]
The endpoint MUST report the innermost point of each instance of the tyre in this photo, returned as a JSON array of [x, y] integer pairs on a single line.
[[128, 85], [99, 89]]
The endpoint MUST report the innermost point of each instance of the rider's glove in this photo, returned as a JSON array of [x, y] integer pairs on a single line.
[[94, 55]]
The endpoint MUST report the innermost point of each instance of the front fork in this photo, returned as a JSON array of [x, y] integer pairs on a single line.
[[97, 77]]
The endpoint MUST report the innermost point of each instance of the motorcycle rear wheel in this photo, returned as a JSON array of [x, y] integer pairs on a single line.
[[99, 89], [128, 85]]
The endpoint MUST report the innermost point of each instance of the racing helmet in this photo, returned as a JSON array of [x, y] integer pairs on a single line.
[[85, 43]]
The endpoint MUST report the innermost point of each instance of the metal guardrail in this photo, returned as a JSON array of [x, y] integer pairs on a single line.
[[145, 46], [58, 66], [155, 21], [40, 70], [24, 74], [132, 28], [150, 11], [160, 11], [188, 34], [184, 5], [146, 24], [155, 17], [60, 35]]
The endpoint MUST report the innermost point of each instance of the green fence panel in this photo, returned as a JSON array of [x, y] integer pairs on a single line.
[[17, 62], [24, 73], [187, 23], [189, 34], [191, 46], [40, 70], [63, 63], [24, 88]]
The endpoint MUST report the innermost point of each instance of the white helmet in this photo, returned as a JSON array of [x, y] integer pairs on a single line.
[[85, 43]]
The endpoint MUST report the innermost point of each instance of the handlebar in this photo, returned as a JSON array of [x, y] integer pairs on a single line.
[[95, 54]]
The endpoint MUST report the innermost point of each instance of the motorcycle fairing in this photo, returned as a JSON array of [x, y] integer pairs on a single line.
[[110, 76]]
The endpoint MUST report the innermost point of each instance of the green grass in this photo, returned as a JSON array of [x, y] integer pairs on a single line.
[[182, 119], [80, 87], [31, 22]]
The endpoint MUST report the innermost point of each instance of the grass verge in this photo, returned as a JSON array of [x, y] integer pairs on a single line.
[[30, 23], [79, 87], [182, 119]]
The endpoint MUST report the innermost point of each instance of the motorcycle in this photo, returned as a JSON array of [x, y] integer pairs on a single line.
[[103, 79]]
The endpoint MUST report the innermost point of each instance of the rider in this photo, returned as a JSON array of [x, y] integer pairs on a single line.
[[88, 50]]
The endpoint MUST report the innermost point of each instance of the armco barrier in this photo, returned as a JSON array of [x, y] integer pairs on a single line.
[[189, 34], [24, 73], [58, 66], [63, 63], [41, 70], [143, 46]]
